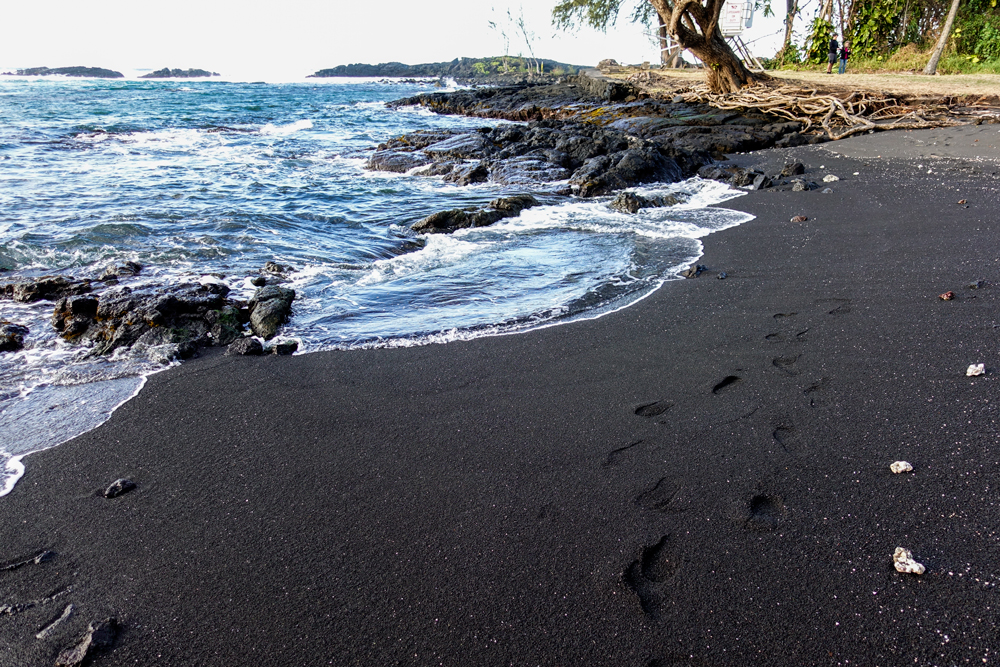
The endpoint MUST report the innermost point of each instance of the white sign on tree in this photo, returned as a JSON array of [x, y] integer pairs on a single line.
[[736, 15]]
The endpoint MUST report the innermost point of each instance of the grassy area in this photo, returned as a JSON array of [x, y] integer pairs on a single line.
[[909, 59]]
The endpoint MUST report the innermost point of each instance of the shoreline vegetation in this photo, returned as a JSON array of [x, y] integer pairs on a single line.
[[496, 67], [103, 73]]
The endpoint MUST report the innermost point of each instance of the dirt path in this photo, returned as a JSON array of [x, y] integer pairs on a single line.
[[973, 88]]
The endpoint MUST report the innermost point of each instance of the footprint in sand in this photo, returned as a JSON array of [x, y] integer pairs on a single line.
[[40, 609], [777, 337], [677, 661], [836, 306], [41, 557], [648, 575], [786, 364], [616, 455], [726, 383], [765, 512], [654, 409], [815, 391], [787, 436], [659, 497]]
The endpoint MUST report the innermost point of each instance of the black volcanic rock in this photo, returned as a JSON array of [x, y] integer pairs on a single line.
[[167, 73], [12, 336], [91, 72], [446, 222]]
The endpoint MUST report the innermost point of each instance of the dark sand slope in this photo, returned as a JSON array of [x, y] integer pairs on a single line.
[[701, 479]]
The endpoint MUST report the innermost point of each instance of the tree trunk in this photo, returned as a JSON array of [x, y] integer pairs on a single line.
[[664, 48], [826, 13], [694, 25], [793, 9], [942, 40], [726, 72]]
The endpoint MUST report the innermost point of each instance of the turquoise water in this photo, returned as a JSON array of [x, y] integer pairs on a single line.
[[194, 178]]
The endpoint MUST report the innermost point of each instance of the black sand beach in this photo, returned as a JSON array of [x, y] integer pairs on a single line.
[[700, 479]]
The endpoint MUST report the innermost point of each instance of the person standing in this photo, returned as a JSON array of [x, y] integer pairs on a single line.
[[845, 53], [832, 55]]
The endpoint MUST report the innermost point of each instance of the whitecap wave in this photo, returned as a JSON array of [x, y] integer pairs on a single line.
[[284, 130]]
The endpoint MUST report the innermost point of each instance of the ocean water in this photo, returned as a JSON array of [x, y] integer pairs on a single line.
[[190, 178]]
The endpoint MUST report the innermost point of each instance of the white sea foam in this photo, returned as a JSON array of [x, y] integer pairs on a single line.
[[50, 415], [440, 250], [290, 128]]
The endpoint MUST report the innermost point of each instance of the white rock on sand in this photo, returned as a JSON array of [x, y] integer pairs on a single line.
[[903, 560], [900, 466], [976, 369]]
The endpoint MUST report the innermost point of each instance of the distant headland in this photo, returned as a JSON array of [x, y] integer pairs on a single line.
[[91, 72], [167, 73], [459, 68]]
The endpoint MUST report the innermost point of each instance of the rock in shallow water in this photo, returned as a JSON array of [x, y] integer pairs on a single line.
[[270, 307], [445, 222], [44, 288], [126, 269], [12, 336], [630, 202]]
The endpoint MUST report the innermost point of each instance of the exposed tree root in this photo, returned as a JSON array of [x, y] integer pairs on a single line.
[[839, 117]]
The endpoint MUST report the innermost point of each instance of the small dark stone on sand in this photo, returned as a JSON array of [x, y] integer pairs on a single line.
[[694, 271], [98, 638], [827, 191], [284, 347], [793, 169], [245, 347], [119, 487], [722, 275], [977, 284]]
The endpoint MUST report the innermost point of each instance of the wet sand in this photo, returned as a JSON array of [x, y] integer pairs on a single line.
[[700, 479]]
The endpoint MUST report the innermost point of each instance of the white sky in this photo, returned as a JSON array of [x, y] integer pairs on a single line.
[[286, 41]]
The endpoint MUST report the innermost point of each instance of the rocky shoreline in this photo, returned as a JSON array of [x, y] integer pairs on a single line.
[[583, 136], [86, 72], [163, 323]]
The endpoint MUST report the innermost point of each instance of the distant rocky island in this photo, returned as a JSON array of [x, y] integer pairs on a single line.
[[92, 72], [167, 73], [459, 68]]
